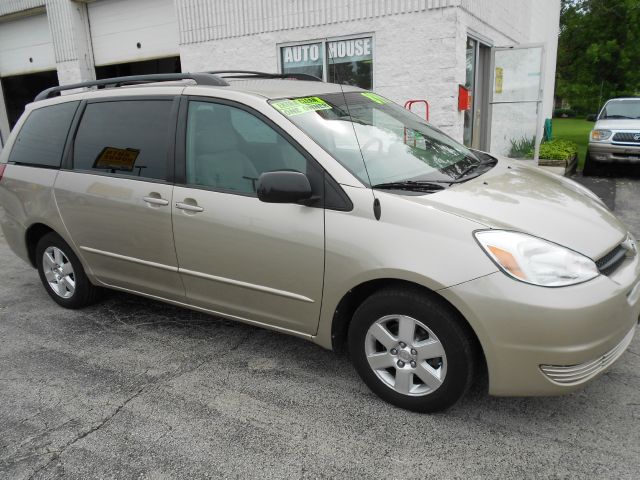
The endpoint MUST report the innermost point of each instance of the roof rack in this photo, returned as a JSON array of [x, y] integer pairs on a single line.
[[199, 78], [248, 74]]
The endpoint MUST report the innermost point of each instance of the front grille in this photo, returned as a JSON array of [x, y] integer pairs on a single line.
[[568, 375], [627, 137], [612, 260]]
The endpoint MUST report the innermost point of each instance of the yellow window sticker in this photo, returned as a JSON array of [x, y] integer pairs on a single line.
[[499, 79], [298, 106], [112, 158], [374, 97]]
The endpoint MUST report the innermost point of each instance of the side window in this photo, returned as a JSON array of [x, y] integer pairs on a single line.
[[228, 148], [129, 137], [41, 139]]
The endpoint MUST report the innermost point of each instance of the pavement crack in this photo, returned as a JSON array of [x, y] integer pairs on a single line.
[[209, 358], [58, 453], [240, 343]]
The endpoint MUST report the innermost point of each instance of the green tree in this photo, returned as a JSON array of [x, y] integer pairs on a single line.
[[598, 51]]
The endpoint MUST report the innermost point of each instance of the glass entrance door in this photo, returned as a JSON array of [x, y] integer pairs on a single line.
[[516, 101]]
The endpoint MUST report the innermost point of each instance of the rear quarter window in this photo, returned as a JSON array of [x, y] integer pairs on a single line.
[[40, 141], [125, 137]]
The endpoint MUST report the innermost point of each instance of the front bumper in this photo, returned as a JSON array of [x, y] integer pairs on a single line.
[[577, 374], [610, 152], [525, 329]]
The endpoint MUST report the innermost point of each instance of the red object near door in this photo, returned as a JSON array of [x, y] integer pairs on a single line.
[[410, 103], [464, 98]]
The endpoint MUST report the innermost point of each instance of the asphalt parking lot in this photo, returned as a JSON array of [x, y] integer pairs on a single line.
[[132, 388]]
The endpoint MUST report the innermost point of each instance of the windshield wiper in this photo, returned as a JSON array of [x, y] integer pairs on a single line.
[[475, 166], [620, 116], [410, 185]]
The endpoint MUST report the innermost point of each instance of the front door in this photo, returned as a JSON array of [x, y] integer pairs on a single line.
[[116, 201], [237, 255], [516, 101]]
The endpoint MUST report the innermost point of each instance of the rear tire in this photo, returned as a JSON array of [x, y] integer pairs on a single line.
[[411, 350], [62, 273]]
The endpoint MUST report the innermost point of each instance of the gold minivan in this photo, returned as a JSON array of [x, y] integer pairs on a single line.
[[326, 212]]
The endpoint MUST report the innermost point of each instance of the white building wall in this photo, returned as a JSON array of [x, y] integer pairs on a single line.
[[419, 45], [416, 64], [202, 20]]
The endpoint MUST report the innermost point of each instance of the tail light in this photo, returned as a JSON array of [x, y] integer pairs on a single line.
[[2, 167]]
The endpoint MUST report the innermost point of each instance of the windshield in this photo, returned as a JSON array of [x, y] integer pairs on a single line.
[[395, 144], [622, 109]]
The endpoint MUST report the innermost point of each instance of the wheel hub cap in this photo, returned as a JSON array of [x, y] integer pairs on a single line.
[[406, 355], [58, 272]]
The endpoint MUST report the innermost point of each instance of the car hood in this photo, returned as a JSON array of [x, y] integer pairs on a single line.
[[618, 124], [527, 199]]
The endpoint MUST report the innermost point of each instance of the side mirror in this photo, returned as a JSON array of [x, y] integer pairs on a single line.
[[284, 187]]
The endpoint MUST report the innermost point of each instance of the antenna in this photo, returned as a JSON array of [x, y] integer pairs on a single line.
[[336, 76]]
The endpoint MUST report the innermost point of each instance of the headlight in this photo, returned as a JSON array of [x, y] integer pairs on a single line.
[[600, 135], [536, 261]]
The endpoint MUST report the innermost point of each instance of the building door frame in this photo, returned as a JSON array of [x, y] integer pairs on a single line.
[[479, 138]]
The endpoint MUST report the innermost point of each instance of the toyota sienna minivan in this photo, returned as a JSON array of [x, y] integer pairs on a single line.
[[329, 213]]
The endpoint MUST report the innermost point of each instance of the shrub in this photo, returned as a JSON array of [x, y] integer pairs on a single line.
[[521, 148], [564, 113], [558, 150]]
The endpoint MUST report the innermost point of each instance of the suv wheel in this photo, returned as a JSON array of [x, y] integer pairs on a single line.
[[591, 167], [62, 274], [410, 350]]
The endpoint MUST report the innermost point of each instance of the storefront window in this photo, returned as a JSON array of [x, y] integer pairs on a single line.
[[307, 59], [350, 62], [347, 61]]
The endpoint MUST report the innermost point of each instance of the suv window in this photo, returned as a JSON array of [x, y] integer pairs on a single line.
[[41, 139], [228, 148], [129, 137]]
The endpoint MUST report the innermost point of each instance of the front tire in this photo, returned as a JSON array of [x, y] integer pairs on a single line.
[[591, 167], [62, 274], [411, 350]]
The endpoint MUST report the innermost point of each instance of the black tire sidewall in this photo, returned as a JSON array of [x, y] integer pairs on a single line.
[[444, 324], [591, 167], [84, 292]]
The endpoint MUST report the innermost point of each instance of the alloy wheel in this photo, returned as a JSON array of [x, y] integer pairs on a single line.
[[406, 355], [59, 272]]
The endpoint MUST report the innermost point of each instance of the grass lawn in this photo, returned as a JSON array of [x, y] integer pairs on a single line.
[[574, 129]]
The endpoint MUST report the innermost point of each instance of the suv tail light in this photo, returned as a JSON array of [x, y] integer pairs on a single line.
[[2, 167]]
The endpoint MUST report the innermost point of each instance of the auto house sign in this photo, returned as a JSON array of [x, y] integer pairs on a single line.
[[340, 51]]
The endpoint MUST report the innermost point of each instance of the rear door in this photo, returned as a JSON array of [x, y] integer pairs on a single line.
[[116, 199], [237, 255]]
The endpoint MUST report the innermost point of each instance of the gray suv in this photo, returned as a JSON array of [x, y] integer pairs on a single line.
[[615, 138]]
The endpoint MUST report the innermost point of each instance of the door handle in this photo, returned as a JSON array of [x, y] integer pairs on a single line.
[[156, 201], [189, 207]]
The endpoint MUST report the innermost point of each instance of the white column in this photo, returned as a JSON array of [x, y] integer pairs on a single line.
[[69, 24], [4, 120]]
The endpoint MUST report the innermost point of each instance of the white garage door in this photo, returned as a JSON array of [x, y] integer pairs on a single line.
[[132, 30], [26, 46]]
